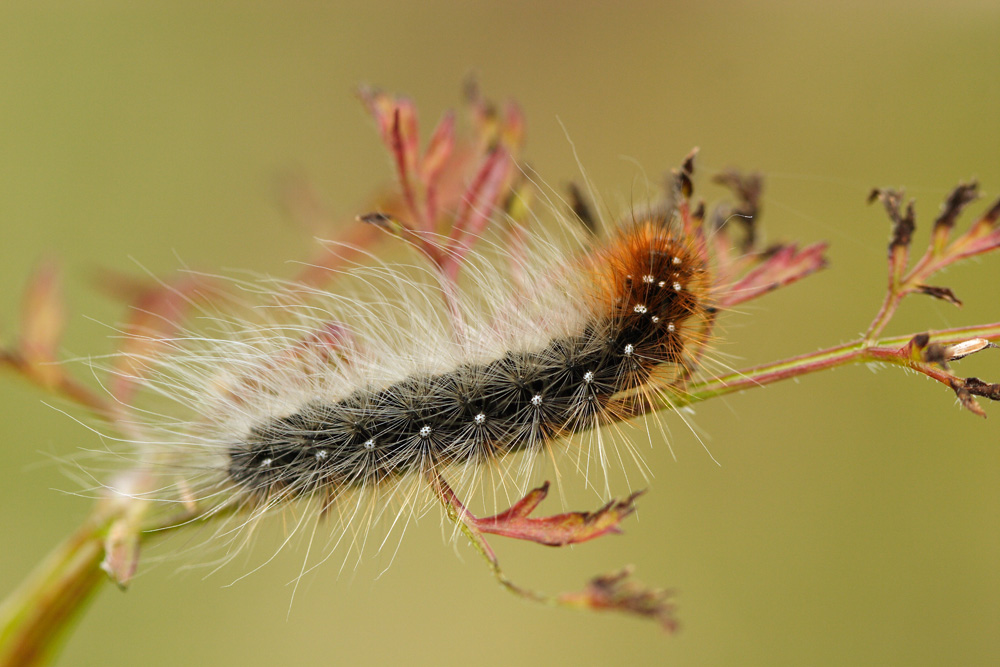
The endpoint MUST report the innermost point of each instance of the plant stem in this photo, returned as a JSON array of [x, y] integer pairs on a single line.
[[34, 619], [887, 350]]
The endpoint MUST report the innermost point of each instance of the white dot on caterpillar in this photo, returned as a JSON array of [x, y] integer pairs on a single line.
[[677, 287], [321, 454], [629, 349], [536, 400], [369, 444], [480, 419], [648, 279], [677, 261], [588, 377], [266, 463], [671, 327], [662, 283], [655, 319], [425, 432], [640, 308]]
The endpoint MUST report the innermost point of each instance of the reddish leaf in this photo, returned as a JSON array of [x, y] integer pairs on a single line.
[[965, 397], [784, 267], [943, 293], [43, 321], [992, 215], [439, 149], [981, 238], [396, 118], [557, 530], [512, 135], [951, 208], [480, 202], [406, 132], [616, 592], [404, 151], [382, 107]]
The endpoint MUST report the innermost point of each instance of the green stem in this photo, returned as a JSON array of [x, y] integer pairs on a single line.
[[34, 619]]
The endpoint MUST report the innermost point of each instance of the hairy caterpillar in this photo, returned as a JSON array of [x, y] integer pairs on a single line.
[[612, 327], [359, 393]]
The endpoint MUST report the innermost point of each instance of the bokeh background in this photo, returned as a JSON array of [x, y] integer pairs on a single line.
[[855, 516]]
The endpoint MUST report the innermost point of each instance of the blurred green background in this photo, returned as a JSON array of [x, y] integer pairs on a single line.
[[855, 517]]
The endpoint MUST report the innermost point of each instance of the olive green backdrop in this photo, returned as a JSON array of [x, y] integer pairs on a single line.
[[855, 518]]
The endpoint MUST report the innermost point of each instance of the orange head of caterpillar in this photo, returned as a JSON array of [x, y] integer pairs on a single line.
[[653, 287]]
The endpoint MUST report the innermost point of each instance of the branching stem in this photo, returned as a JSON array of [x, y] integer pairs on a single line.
[[888, 350]]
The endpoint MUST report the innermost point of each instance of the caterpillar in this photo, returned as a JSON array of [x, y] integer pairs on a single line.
[[615, 325], [380, 384]]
